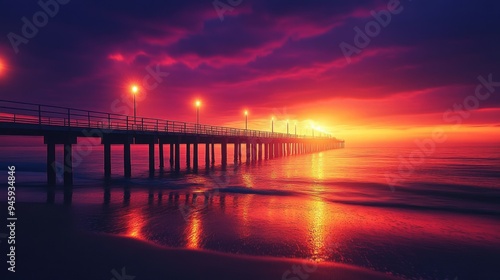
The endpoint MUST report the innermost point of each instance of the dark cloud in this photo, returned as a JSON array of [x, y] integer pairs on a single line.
[[264, 53]]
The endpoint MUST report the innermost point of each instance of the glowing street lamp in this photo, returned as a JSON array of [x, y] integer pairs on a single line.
[[134, 89], [2, 67], [246, 119]]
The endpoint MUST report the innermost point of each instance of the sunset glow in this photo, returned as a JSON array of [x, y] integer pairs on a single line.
[[254, 139], [290, 67]]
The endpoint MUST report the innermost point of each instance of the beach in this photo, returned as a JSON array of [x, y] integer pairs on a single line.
[[65, 254], [336, 213]]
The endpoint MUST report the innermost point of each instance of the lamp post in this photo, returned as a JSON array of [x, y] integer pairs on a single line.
[[295, 128], [246, 119], [134, 89], [287, 122], [272, 124], [197, 104]]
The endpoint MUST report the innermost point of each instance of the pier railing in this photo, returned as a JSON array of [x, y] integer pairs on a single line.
[[29, 113]]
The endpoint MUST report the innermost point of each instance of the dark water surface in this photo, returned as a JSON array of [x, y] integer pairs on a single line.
[[441, 221]]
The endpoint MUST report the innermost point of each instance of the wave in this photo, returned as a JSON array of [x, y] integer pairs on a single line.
[[245, 190], [420, 207], [454, 198]]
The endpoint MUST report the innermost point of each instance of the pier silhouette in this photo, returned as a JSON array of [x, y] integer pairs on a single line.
[[63, 126]]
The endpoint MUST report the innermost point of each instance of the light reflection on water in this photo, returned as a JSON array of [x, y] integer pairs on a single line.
[[288, 226], [330, 206], [135, 222], [194, 231], [318, 218]]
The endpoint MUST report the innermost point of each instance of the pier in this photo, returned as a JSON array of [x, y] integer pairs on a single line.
[[64, 126]]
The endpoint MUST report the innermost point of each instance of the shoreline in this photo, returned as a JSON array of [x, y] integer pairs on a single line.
[[50, 244]]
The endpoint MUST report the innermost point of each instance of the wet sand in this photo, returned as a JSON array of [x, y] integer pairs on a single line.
[[50, 246]]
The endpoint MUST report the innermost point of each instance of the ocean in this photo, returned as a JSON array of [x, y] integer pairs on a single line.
[[441, 220]]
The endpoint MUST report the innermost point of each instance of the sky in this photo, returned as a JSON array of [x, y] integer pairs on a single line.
[[364, 71]]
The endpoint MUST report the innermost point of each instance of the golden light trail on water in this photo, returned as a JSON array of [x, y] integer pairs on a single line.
[[194, 231], [135, 223]]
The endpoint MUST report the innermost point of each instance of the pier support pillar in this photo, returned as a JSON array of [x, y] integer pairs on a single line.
[[127, 163], [188, 155], [177, 156], [254, 152], [224, 153], [68, 165], [51, 164], [247, 151], [107, 159], [235, 155], [239, 152], [207, 155], [259, 146], [171, 150], [160, 154], [266, 151], [213, 153], [195, 156], [151, 157]]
